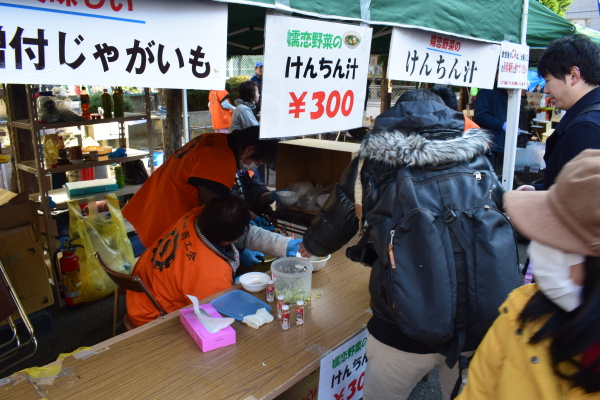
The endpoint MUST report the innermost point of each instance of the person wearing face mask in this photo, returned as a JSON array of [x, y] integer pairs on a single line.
[[205, 167], [546, 342]]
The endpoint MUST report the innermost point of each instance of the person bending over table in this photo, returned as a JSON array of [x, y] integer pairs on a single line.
[[205, 167], [199, 255]]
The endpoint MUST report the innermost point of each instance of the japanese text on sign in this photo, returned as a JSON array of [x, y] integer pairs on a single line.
[[138, 57], [444, 43], [113, 42], [314, 40], [114, 5], [513, 66], [306, 69], [357, 348], [455, 70], [424, 57], [343, 371]]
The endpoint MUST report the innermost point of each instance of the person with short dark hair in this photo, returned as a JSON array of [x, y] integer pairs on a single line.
[[491, 107], [205, 167], [545, 344], [447, 95], [571, 68], [244, 114], [257, 78], [194, 256], [199, 255]]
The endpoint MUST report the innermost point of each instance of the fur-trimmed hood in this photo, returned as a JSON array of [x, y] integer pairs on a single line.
[[396, 148], [422, 133]]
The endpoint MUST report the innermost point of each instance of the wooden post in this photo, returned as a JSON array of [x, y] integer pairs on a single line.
[[386, 96], [463, 99], [174, 128]]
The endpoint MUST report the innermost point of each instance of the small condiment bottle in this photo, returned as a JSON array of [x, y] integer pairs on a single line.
[[280, 304], [299, 312], [285, 317], [270, 292]]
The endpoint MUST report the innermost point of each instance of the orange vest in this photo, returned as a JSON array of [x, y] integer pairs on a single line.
[[469, 124], [171, 190], [174, 266], [221, 118]]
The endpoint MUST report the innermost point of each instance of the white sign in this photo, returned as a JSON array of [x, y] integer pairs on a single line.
[[342, 373], [513, 66], [315, 76], [421, 56], [152, 43]]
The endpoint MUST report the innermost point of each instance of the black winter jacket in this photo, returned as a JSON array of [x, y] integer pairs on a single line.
[[424, 135]]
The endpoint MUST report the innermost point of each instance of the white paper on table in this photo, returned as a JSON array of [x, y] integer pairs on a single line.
[[212, 324]]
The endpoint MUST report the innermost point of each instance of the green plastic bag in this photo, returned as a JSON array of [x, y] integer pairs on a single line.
[[107, 236]]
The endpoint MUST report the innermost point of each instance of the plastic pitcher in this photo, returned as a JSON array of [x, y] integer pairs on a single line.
[[293, 278]]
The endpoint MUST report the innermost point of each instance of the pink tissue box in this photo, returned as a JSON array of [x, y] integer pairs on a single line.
[[204, 339]]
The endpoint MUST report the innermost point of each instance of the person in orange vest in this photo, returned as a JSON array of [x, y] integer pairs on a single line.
[[221, 110], [199, 255], [205, 167]]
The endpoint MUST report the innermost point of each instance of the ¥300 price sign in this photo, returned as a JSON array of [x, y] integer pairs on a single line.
[[323, 105]]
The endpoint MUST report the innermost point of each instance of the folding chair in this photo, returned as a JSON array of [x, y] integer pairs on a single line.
[[20, 345], [126, 282]]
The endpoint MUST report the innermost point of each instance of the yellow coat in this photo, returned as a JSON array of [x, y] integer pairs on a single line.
[[506, 367]]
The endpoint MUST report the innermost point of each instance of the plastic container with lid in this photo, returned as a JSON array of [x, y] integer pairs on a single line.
[[293, 278]]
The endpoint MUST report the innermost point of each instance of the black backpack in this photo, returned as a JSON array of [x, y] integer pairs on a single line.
[[452, 256]]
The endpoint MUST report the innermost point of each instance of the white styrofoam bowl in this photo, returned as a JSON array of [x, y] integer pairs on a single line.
[[254, 281], [288, 198], [318, 263], [322, 199]]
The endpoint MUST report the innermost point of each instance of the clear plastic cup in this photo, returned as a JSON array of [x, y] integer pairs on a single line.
[[293, 278]]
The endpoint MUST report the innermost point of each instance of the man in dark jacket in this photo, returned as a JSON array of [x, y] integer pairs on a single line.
[[419, 132], [570, 66], [257, 78], [490, 113]]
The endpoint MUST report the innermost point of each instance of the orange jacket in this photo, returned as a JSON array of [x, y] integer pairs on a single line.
[[470, 124], [174, 266], [171, 190], [221, 118]]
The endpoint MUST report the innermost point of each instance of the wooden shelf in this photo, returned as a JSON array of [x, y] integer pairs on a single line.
[[26, 124], [132, 154]]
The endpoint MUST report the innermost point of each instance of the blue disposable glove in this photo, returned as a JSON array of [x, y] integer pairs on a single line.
[[293, 247], [251, 257], [120, 152], [504, 127], [274, 194], [263, 223]]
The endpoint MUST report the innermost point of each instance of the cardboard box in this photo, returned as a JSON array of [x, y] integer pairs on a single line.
[[306, 389], [318, 161], [17, 210], [21, 256], [21, 251], [204, 339]]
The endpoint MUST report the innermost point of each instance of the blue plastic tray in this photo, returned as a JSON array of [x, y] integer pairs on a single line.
[[237, 304]]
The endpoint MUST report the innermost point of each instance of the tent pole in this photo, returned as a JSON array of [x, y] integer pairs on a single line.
[[512, 117], [186, 130]]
